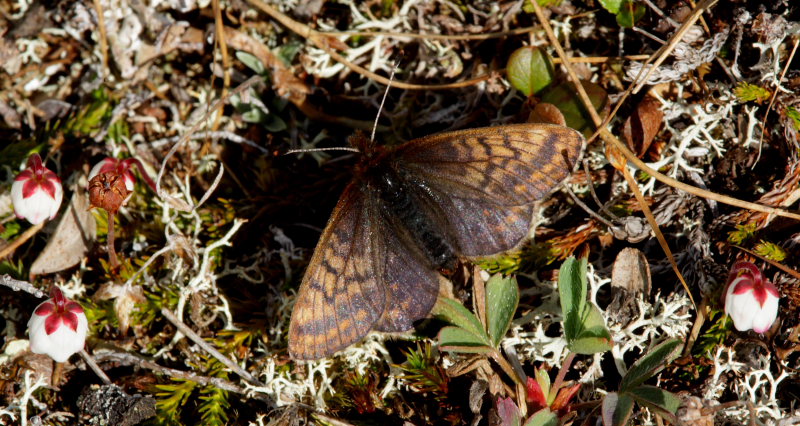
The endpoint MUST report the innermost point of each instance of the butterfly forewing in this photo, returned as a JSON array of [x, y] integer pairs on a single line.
[[480, 184], [342, 295]]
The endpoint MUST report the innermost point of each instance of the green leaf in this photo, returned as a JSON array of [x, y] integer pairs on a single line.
[[528, 5], [593, 337], [459, 340], [274, 123], [544, 382], [254, 115], [656, 398], [12, 229], [502, 297], [794, 114], [565, 98], [251, 62], [616, 409], [746, 92], [770, 250], [572, 291], [611, 5], [530, 70], [455, 313], [650, 364], [629, 13], [590, 345], [543, 417], [584, 327]]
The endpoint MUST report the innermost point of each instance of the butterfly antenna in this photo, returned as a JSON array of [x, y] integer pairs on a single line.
[[380, 108], [333, 148]]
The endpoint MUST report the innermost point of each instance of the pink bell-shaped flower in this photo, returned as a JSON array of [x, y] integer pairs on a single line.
[[750, 300], [36, 192], [58, 327]]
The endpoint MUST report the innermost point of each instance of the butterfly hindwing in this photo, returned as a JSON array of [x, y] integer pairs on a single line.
[[342, 294], [412, 282], [479, 184]]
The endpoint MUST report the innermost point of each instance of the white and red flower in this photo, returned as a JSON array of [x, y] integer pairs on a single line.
[[36, 192], [58, 327], [750, 300]]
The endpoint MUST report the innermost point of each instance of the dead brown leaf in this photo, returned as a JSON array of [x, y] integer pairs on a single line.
[[72, 239]]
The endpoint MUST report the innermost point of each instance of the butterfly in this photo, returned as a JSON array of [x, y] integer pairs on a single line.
[[413, 210]]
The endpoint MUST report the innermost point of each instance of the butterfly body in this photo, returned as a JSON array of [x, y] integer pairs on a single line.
[[395, 191], [412, 210]]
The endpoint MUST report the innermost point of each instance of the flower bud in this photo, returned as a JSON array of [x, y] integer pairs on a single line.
[[36, 192], [750, 300], [58, 327]]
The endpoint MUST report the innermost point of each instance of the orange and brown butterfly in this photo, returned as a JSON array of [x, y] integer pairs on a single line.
[[413, 210]]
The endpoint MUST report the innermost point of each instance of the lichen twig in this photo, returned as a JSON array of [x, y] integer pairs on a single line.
[[188, 332]]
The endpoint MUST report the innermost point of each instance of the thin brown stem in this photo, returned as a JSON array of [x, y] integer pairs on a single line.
[[101, 29], [30, 232], [188, 332], [112, 254], [219, 28], [506, 367], [96, 368], [128, 359], [563, 371]]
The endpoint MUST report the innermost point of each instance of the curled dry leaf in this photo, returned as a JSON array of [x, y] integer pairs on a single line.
[[184, 248], [643, 125], [631, 229], [694, 411], [125, 299], [74, 235], [544, 112]]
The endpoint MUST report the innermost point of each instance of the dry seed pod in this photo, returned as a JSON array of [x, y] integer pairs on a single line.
[[108, 191]]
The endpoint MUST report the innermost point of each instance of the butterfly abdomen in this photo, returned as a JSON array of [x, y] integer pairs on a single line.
[[401, 204]]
